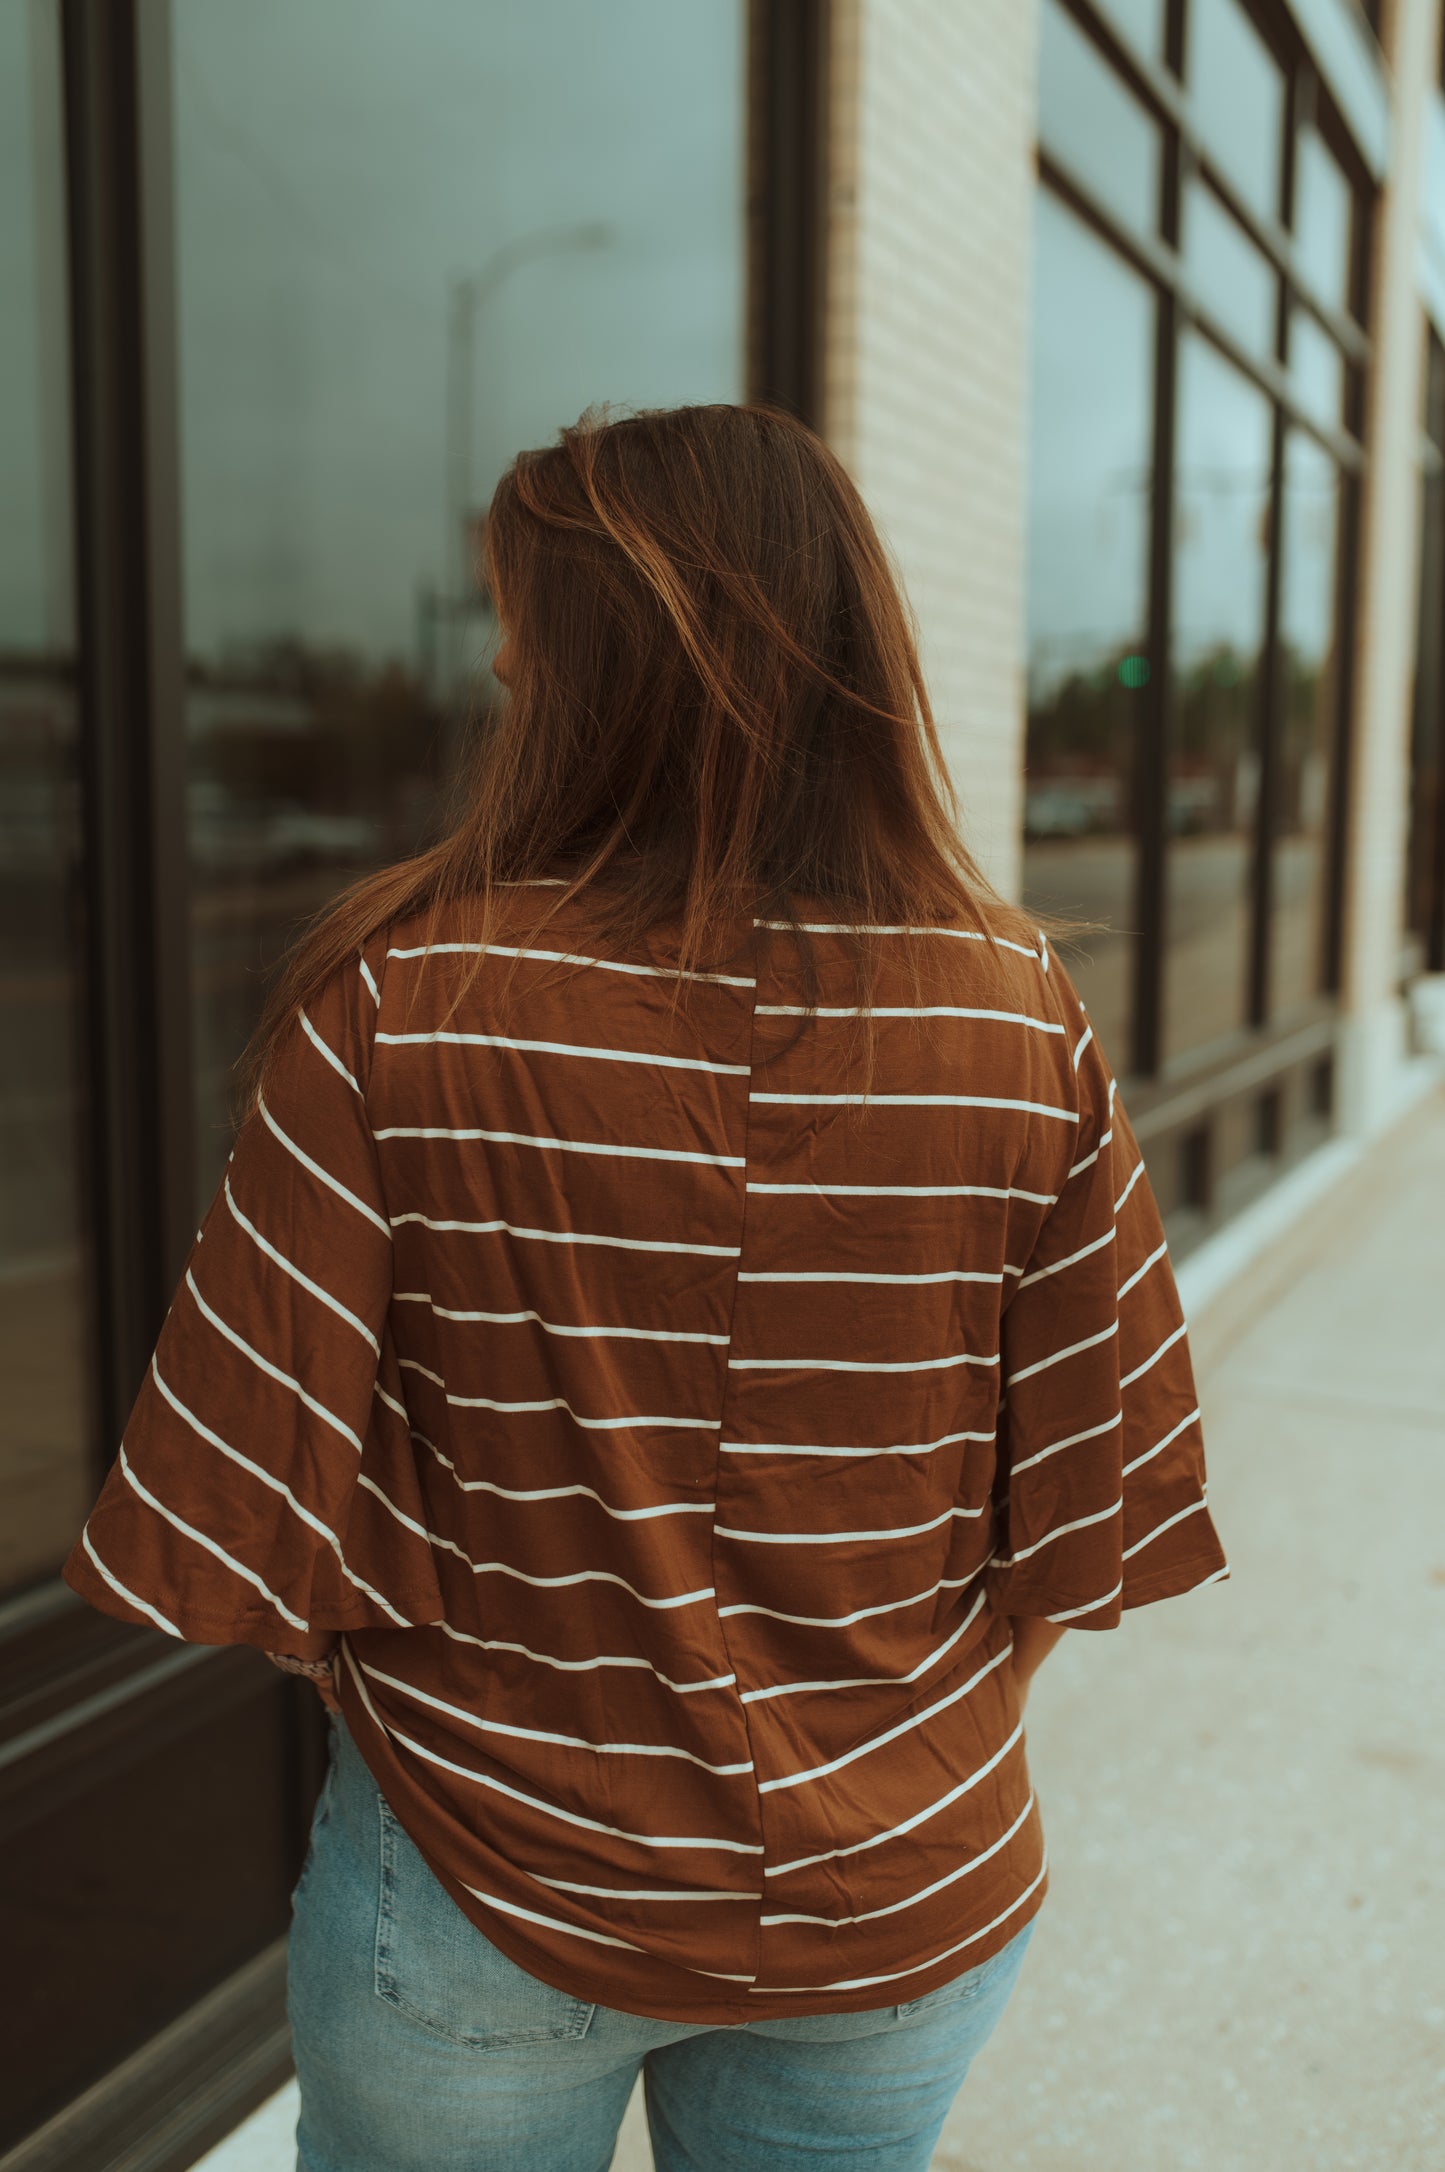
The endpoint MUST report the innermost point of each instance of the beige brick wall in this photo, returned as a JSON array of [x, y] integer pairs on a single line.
[[931, 187]]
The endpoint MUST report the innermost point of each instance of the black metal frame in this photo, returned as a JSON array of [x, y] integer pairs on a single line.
[[788, 92], [1171, 1099]]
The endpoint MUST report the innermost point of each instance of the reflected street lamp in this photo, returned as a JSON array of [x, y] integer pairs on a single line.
[[466, 298]]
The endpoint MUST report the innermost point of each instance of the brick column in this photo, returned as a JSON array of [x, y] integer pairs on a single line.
[[931, 143]]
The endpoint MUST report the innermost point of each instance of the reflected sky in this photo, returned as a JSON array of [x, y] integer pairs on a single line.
[[340, 163]]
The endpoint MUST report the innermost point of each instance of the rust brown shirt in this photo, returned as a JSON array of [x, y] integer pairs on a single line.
[[671, 1453]]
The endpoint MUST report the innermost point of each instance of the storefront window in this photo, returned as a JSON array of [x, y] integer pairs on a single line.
[[1233, 281], [1236, 91], [45, 1429], [1092, 123], [365, 342], [1309, 701], [1323, 219], [1091, 420], [1222, 495]]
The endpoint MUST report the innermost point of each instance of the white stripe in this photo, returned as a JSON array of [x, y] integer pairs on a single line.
[[1082, 1045], [288, 1267], [859, 1983], [635, 1893], [317, 1171], [553, 1327], [1062, 1530], [1070, 1440], [844, 1621], [858, 1365], [925, 1892], [567, 957], [1152, 1360], [1160, 1528], [789, 1448], [1090, 1342], [872, 1681], [273, 1371], [1073, 1612], [1138, 1171], [330, 1054], [1043, 952], [909, 1824], [553, 1402], [277, 1485], [926, 1010], [567, 1048], [1139, 1272], [562, 1493], [371, 984], [566, 1146], [859, 927], [843, 1538], [572, 1236], [541, 1583], [913, 1191], [947, 1274], [542, 1734], [210, 1546], [890, 1734], [921, 1101], [581, 1666], [534, 1802], [132, 1598], [1073, 1259], [1172, 1435]]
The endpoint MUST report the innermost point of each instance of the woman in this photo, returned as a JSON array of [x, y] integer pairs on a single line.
[[671, 1442]]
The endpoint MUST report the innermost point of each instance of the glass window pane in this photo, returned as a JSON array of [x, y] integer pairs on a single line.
[[1220, 554], [1236, 91], [1316, 368], [45, 1431], [1227, 272], [366, 340], [1425, 860], [1141, 21], [1093, 124], [1089, 458], [1309, 686], [1323, 208]]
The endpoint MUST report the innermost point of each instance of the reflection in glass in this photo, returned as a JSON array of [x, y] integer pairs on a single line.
[[1089, 459], [1236, 91], [1309, 699], [1141, 21], [1093, 125], [366, 339], [1227, 272], [45, 1444], [1323, 204], [1316, 369], [1221, 542]]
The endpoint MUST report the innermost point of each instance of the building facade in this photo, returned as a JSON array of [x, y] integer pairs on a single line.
[[1129, 318]]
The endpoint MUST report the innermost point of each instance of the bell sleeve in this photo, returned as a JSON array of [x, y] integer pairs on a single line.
[[1100, 1499], [266, 1465]]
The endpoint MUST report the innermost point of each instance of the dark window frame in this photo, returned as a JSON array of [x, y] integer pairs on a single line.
[[1166, 1095]]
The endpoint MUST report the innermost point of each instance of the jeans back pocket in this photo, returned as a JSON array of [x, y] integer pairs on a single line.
[[435, 1966]]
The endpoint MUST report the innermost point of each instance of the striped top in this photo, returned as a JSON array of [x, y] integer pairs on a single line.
[[670, 1449]]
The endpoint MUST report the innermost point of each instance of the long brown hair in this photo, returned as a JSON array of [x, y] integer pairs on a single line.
[[716, 707]]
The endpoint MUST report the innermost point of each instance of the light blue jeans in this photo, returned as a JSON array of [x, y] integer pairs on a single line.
[[421, 2048]]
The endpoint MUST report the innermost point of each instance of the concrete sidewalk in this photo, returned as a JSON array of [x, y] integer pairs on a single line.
[[1239, 1966]]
